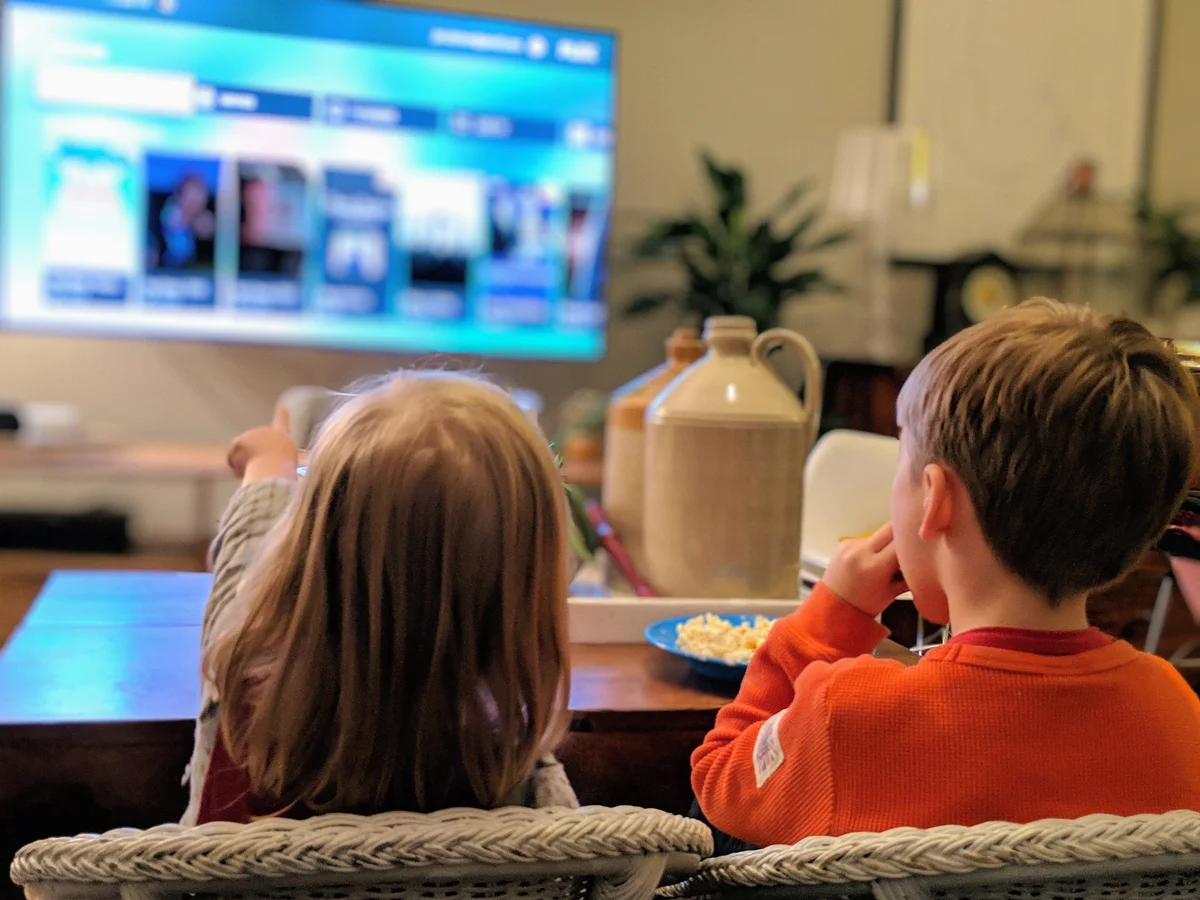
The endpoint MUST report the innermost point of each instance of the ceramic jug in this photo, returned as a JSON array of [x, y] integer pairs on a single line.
[[625, 441], [726, 444]]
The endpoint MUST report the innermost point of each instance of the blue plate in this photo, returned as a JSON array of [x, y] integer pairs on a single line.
[[665, 636]]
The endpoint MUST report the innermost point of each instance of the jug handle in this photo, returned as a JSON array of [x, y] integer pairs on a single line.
[[777, 337]]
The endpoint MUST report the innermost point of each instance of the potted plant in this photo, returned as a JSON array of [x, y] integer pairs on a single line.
[[1175, 246], [734, 265], [1172, 247], [581, 534], [580, 437]]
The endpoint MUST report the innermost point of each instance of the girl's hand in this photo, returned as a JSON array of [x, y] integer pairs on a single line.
[[266, 452], [866, 573]]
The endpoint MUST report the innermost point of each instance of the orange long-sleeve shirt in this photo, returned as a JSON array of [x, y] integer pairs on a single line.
[[823, 739]]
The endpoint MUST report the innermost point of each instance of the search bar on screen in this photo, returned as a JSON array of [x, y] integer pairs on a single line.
[[123, 90]]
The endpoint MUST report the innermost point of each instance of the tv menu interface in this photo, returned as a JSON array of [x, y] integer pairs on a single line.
[[313, 172]]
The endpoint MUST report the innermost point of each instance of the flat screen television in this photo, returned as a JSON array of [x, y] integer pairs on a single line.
[[307, 172]]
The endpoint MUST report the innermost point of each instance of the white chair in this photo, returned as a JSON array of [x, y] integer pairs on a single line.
[[1181, 578], [1142, 857], [592, 853], [847, 491]]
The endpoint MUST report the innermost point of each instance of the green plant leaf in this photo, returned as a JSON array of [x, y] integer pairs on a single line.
[[584, 540], [644, 304], [1177, 246], [663, 238], [735, 227], [704, 304], [730, 261], [832, 239], [1182, 210], [792, 237], [760, 247], [700, 280], [729, 185], [780, 250], [761, 307], [790, 199], [720, 176], [799, 282], [701, 230]]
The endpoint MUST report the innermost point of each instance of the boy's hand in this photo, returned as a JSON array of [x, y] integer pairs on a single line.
[[866, 573], [266, 452]]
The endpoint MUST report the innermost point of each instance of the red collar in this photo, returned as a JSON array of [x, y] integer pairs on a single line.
[[1033, 640]]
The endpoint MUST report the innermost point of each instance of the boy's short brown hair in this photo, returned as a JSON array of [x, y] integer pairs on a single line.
[[1074, 434]]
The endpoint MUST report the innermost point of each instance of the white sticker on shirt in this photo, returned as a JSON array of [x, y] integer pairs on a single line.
[[768, 754]]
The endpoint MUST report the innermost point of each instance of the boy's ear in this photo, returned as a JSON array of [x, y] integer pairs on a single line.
[[937, 501]]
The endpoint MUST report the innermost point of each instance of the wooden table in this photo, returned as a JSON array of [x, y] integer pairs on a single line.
[[201, 464], [116, 460], [165, 460], [100, 684]]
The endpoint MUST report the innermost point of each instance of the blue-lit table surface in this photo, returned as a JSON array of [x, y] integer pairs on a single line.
[[101, 647], [99, 687], [123, 648]]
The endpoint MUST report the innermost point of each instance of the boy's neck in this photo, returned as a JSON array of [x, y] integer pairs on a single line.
[[1007, 602]]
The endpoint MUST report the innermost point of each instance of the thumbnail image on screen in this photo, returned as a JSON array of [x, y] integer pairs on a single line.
[[358, 243], [181, 230], [528, 236], [311, 172]]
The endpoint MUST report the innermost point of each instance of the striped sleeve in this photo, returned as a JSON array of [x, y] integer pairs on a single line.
[[250, 514]]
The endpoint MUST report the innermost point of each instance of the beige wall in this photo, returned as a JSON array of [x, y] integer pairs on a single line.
[[1012, 95], [768, 83], [1175, 162]]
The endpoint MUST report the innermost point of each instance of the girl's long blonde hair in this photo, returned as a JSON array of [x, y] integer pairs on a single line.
[[405, 646]]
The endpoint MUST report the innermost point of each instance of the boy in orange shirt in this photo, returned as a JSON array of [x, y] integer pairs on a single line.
[[1041, 453]]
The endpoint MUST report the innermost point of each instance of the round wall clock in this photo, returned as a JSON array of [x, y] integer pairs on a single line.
[[986, 290]]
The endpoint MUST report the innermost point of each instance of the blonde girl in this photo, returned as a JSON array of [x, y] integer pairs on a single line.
[[390, 632]]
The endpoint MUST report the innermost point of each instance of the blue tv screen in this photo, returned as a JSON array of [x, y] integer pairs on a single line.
[[307, 172]]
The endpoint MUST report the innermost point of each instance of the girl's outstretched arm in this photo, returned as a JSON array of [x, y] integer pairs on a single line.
[[265, 459]]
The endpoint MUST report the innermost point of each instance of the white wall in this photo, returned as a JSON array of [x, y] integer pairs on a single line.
[[1012, 94], [768, 83], [1175, 160]]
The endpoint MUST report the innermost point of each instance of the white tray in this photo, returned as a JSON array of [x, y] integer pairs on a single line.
[[598, 616]]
